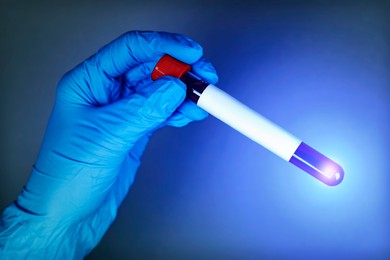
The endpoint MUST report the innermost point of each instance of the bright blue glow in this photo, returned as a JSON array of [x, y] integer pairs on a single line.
[[319, 71], [325, 82]]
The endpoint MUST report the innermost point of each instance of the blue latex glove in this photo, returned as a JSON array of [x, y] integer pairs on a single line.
[[105, 111]]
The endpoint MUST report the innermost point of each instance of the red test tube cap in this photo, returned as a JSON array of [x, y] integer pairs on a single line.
[[169, 66]]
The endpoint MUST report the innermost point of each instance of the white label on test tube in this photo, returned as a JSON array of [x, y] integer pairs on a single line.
[[245, 120]]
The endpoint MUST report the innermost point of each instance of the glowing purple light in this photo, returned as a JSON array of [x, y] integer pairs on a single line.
[[317, 165]]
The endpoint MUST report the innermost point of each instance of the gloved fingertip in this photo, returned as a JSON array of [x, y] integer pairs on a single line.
[[205, 70], [191, 111], [181, 47], [202, 115], [197, 114], [210, 77], [178, 120]]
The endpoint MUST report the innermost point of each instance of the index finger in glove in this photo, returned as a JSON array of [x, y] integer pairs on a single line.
[[133, 48]]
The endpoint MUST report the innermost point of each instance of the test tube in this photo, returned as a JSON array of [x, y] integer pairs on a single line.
[[250, 123]]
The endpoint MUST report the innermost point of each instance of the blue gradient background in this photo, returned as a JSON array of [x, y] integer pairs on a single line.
[[319, 69]]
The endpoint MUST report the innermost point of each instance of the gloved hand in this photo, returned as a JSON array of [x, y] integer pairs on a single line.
[[105, 111]]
